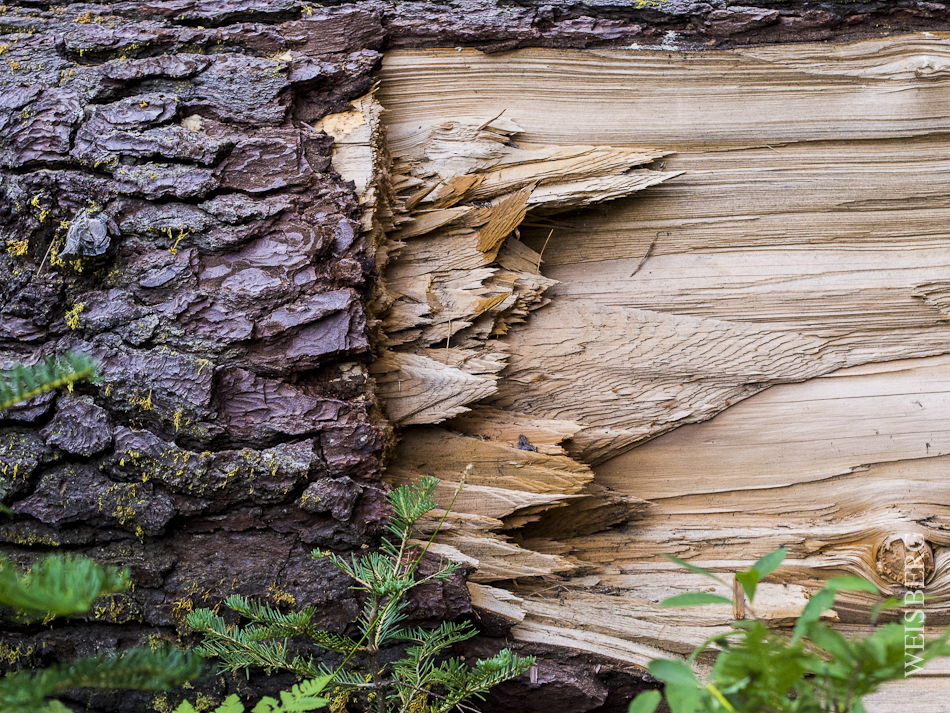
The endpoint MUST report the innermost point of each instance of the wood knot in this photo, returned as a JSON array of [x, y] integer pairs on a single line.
[[906, 559]]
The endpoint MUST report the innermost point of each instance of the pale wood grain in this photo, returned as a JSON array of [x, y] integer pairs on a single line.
[[751, 355]]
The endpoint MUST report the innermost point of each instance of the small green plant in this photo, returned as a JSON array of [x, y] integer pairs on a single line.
[[63, 585], [302, 698], [21, 383], [422, 680], [815, 670]]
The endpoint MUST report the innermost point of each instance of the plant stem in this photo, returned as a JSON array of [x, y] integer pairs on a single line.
[[374, 617], [372, 651]]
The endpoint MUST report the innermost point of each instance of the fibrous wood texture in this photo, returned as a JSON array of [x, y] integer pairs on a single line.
[[748, 356], [455, 284]]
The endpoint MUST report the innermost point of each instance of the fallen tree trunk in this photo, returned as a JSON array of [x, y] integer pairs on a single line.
[[170, 205], [773, 304]]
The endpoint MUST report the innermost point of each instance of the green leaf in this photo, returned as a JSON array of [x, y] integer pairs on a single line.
[[768, 564], [683, 698], [693, 599], [646, 702], [749, 581], [825, 599], [886, 605], [877, 648], [832, 642], [760, 570], [673, 671], [852, 584], [693, 568], [817, 605]]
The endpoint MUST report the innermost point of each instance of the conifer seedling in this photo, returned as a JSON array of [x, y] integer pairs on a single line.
[[422, 680]]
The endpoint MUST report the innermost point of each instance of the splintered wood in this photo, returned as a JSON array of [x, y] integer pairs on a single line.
[[457, 279], [752, 355]]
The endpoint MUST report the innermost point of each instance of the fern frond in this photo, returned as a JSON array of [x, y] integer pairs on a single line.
[[139, 669], [22, 383], [58, 585], [232, 704], [302, 698]]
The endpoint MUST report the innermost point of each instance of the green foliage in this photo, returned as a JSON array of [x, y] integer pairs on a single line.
[[815, 670], [58, 585], [423, 680], [137, 669], [65, 585], [61, 585], [302, 698], [646, 702], [22, 383]]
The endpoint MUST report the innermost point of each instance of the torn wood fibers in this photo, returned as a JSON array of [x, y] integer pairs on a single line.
[[667, 302]]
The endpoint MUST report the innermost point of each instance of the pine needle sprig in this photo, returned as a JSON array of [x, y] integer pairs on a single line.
[[409, 504], [139, 669], [295, 623], [383, 627], [269, 623], [434, 640], [58, 585], [421, 680], [239, 648], [22, 383], [417, 670]]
